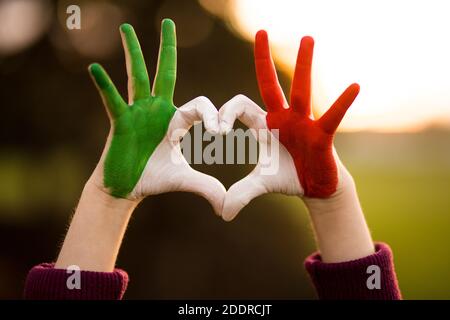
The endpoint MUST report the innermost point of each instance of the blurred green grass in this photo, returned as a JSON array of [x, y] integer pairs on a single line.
[[403, 182], [409, 209]]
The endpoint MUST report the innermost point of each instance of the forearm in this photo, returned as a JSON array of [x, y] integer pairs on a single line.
[[340, 227], [96, 231]]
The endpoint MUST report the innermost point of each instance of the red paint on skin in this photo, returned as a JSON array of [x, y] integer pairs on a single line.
[[310, 142]]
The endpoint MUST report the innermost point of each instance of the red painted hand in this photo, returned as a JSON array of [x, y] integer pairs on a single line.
[[309, 141], [306, 164]]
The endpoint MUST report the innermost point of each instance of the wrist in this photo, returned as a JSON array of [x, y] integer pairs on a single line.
[[96, 231], [344, 198], [339, 224], [337, 202], [100, 195]]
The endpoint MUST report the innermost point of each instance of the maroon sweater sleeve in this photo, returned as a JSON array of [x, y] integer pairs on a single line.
[[352, 279], [44, 282]]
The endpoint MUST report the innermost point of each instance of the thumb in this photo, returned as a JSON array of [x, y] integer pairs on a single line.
[[204, 185], [241, 193]]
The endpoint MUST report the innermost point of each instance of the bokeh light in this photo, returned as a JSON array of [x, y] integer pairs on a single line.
[[98, 36], [22, 23], [193, 25], [397, 50]]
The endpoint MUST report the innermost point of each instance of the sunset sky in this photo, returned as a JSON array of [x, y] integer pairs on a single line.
[[398, 51]]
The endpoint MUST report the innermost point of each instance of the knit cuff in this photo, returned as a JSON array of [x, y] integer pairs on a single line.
[[369, 278], [45, 282]]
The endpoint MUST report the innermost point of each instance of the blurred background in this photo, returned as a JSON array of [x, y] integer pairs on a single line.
[[395, 139]]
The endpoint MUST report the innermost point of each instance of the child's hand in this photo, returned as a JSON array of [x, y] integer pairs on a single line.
[[142, 155], [308, 164]]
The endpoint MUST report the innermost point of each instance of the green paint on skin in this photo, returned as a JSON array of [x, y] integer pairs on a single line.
[[137, 129]]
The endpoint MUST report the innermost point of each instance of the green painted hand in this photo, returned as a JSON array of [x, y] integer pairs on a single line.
[[140, 157]]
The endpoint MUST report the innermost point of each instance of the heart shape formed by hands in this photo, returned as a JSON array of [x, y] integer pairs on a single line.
[[143, 156]]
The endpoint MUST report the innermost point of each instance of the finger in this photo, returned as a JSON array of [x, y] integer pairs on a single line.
[[301, 84], [333, 117], [240, 194], [111, 98], [204, 185], [138, 81], [266, 74], [167, 63], [242, 108], [198, 109]]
